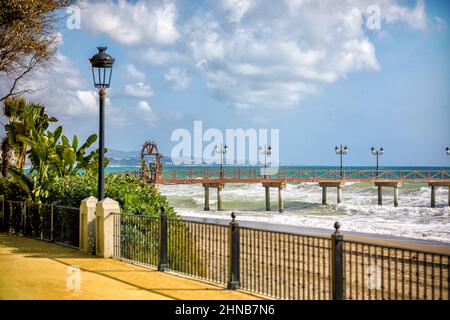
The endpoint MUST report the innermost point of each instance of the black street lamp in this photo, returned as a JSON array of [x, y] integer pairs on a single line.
[[102, 64], [267, 151], [447, 151], [222, 150], [377, 153], [341, 152]]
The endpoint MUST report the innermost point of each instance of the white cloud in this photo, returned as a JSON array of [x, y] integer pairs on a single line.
[[414, 17], [138, 115], [254, 53], [159, 57], [281, 52], [139, 89], [236, 8], [134, 73], [178, 78], [61, 89], [132, 23], [441, 24]]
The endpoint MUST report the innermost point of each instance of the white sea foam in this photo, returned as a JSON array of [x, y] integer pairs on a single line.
[[359, 211]]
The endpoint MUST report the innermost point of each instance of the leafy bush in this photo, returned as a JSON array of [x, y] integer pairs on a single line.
[[133, 195], [11, 190]]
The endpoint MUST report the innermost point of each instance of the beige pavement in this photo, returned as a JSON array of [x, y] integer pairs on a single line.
[[32, 269]]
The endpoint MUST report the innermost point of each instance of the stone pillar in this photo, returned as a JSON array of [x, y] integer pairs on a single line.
[[380, 195], [87, 225], [104, 227], [267, 198], [324, 195], [219, 199], [206, 199], [280, 199], [433, 196], [339, 194], [395, 196]]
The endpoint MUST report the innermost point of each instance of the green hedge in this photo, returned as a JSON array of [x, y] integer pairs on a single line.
[[133, 195], [10, 190]]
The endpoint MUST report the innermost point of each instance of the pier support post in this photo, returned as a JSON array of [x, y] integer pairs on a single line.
[[339, 194], [280, 199], [433, 196], [280, 186], [219, 198], [331, 184], [390, 184], [324, 195], [219, 187], [434, 185], [206, 198], [267, 197], [395, 196], [380, 195]]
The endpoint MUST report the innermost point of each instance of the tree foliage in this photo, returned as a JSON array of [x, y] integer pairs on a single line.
[[50, 152], [28, 37]]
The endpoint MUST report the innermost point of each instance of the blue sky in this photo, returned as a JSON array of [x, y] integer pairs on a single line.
[[312, 69]]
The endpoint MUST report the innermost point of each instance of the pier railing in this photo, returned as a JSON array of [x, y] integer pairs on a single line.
[[230, 175], [48, 222], [281, 265]]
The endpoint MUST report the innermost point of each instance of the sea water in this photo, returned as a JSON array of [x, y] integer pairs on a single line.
[[359, 212]]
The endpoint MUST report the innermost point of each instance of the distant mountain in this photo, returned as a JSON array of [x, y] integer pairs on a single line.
[[123, 158], [127, 158]]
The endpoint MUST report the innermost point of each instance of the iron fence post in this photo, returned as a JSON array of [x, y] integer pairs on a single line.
[[52, 229], [24, 218], [162, 266], [233, 269], [3, 226], [337, 264]]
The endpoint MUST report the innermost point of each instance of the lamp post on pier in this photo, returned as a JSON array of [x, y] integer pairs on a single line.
[[102, 64], [222, 150], [377, 153], [341, 152], [267, 151]]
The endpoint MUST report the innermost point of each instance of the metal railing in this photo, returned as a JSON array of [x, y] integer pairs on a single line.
[[198, 249], [281, 265], [48, 222], [374, 272], [201, 175], [136, 238]]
